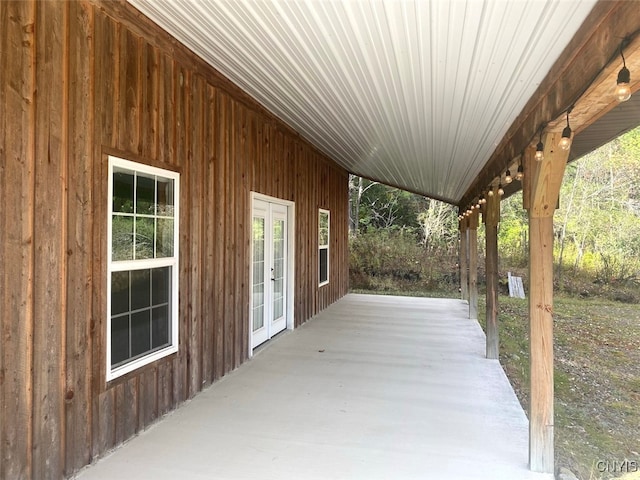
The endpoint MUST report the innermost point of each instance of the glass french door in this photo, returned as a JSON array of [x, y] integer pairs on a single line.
[[268, 270]]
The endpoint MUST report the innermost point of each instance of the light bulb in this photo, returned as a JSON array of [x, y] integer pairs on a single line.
[[507, 177], [520, 173], [490, 193], [540, 151], [500, 190], [623, 90], [565, 141], [482, 199]]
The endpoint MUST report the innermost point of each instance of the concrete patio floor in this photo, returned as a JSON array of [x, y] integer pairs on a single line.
[[374, 387]]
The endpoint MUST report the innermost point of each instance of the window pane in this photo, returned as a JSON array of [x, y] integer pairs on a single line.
[[121, 238], [140, 332], [160, 286], [119, 339], [323, 229], [258, 294], [160, 326], [278, 299], [324, 265], [165, 197], [258, 272], [119, 293], [258, 318], [143, 228], [164, 238], [122, 192], [140, 289], [144, 237], [258, 239], [145, 195]]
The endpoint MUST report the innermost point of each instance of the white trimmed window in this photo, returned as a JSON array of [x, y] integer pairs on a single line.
[[142, 265], [323, 246]]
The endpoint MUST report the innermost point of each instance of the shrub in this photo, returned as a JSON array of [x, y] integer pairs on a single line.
[[394, 261]]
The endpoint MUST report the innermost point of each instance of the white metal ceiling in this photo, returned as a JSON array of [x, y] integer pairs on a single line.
[[413, 93]]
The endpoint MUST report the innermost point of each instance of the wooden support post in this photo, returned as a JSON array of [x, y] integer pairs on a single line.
[[491, 218], [543, 192], [464, 259], [473, 264]]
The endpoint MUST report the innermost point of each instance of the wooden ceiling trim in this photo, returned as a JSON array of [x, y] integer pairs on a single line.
[[583, 59]]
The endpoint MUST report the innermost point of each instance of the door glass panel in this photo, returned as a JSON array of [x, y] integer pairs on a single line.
[[278, 268], [258, 273]]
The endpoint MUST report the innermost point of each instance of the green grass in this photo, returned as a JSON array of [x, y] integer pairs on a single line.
[[597, 377], [408, 293]]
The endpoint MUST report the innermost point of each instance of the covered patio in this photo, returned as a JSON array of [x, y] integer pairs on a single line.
[[372, 387]]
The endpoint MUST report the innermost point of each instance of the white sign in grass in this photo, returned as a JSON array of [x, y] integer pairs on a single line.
[[516, 289]]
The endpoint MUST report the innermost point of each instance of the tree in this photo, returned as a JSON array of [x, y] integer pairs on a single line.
[[438, 224]]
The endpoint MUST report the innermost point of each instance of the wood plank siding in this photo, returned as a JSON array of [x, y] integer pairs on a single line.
[[80, 81]]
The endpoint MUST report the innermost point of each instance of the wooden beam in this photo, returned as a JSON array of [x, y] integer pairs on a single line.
[[491, 217], [541, 417], [546, 182], [598, 99], [544, 191], [473, 264], [531, 166], [464, 259]]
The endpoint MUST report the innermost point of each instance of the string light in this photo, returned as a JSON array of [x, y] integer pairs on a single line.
[[622, 93], [565, 141], [520, 172], [540, 149], [623, 90], [507, 177]]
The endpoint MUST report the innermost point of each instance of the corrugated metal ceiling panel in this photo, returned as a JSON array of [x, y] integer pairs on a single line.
[[413, 93]]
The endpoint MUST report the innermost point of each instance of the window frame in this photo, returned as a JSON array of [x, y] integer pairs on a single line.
[[321, 246], [143, 264]]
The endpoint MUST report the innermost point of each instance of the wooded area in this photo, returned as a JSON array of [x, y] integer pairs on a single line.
[[597, 246]]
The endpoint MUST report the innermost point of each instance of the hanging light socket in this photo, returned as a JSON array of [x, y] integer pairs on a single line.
[[520, 173], [540, 151], [507, 176], [623, 89], [540, 147], [565, 141], [500, 190]]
